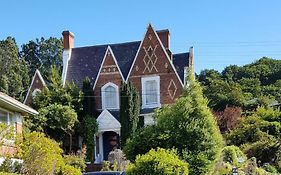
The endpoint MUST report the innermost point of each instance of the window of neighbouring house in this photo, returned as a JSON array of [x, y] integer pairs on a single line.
[[8, 119], [150, 92], [110, 96]]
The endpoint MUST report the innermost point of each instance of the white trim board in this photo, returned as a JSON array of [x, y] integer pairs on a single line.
[[103, 95]]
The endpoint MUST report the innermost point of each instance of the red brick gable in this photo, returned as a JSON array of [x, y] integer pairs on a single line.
[[153, 60], [109, 72], [36, 83]]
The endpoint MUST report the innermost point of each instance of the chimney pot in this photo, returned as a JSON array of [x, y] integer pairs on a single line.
[[68, 39]]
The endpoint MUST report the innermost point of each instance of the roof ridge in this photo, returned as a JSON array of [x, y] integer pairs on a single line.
[[180, 53], [105, 45]]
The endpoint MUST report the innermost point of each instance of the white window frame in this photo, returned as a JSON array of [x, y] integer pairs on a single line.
[[143, 81], [185, 71], [103, 95]]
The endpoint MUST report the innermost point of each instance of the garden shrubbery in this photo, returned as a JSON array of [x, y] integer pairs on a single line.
[[189, 126], [158, 162]]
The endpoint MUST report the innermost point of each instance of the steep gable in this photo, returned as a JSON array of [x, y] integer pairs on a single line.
[[37, 83], [153, 60], [109, 72]]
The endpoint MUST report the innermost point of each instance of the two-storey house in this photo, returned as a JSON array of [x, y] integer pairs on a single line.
[[156, 72]]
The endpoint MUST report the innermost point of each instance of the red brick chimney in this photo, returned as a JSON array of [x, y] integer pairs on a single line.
[[164, 36], [68, 39]]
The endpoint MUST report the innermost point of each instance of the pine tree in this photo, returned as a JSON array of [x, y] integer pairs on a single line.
[[14, 78], [129, 111]]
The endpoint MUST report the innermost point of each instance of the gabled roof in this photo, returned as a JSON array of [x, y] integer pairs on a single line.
[[9, 103], [86, 61], [107, 122]]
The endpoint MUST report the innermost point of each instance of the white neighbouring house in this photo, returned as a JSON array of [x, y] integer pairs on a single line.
[[12, 113]]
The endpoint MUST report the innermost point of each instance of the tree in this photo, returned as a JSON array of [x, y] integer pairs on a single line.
[[88, 98], [42, 54], [60, 120], [58, 107], [245, 86], [189, 126], [88, 124], [259, 135], [129, 111], [88, 130], [158, 162], [14, 78]]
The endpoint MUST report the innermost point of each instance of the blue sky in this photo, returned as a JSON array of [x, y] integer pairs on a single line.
[[222, 32]]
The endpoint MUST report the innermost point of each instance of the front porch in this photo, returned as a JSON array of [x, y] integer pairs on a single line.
[[107, 137]]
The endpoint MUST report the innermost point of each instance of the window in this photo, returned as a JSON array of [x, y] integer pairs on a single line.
[[9, 119], [150, 92], [110, 96]]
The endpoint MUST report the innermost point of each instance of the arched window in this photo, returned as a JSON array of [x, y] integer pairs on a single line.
[[110, 96]]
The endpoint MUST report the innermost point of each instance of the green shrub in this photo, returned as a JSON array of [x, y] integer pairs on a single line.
[[233, 154], [9, 166], [69, 170], [3, 173], [42, 155], [225, 168], [77, 161], [158, 162], [270, 168]]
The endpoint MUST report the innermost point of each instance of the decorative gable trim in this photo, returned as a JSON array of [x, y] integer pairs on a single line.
[[37, 72], [108, 51], [163, 48], [107, 122], [167, 56]]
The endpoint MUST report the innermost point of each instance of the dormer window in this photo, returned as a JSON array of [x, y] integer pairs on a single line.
[[150, 92], [110, 96]]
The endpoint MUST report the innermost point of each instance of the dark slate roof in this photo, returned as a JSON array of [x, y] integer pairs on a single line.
[[116, 114], [86, 61], [180, 61], [125, 54]]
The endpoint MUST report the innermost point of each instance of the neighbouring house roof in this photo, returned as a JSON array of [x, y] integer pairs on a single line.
[[44, 82], [86, 61], [181, 61], [7, 102]]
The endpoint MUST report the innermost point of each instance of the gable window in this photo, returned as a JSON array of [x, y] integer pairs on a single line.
[[150, 92], [110, 96]]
